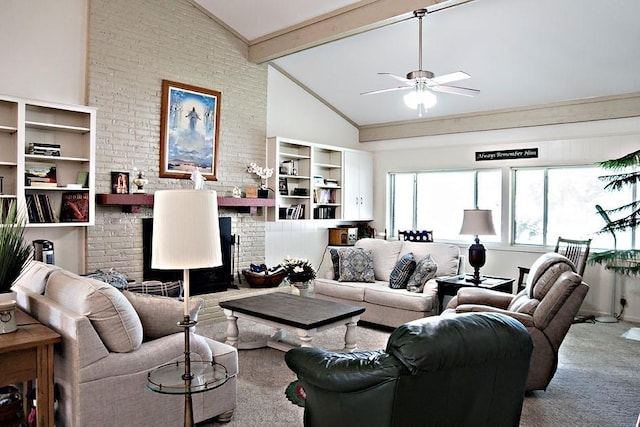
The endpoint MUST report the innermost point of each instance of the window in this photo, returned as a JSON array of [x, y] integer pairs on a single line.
[[436, 200], [553, 202]]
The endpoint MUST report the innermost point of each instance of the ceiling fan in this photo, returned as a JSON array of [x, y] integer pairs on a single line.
[[422, 82]]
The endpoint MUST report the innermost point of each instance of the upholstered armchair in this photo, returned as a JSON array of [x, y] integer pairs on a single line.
[[467, 370], [546, 307]]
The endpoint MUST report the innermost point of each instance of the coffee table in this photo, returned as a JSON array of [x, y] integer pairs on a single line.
[[450, 285], [302, 315]]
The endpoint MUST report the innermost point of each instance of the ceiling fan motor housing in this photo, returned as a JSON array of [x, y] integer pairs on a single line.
[[419, 74]]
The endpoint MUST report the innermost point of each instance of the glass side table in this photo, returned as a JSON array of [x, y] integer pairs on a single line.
[[170, 379]]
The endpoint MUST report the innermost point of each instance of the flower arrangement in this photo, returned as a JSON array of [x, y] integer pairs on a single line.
[[298, 269], [263, 173]]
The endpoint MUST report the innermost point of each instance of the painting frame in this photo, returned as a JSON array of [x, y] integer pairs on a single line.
[[189, 131], [120, 183]]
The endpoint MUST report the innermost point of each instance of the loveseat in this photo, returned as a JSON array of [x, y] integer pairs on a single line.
[[385, 305], [111, 340]]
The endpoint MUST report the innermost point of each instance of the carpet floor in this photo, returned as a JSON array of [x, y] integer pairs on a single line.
[[596, 385]]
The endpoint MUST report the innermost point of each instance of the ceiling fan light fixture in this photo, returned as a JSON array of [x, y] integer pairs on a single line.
[[416, 97]]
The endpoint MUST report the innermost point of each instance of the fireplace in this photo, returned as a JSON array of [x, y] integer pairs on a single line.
[[202, 280]]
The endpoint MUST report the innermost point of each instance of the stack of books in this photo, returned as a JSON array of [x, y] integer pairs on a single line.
[[44, 149], [38, 174]]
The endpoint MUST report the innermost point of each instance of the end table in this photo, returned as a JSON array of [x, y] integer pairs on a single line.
[[450, 285]]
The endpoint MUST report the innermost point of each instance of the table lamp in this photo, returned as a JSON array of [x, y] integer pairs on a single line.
[[477, 222], [186, 235]]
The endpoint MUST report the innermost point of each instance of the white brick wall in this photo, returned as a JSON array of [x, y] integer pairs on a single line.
[[133, 46]]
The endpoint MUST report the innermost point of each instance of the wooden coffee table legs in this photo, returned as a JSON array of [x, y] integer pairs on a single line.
[[305, 335]]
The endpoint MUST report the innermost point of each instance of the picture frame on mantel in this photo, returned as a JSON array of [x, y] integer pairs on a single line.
[[189, 131]]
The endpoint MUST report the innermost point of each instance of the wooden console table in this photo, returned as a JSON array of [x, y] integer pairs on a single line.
[[27, 354]]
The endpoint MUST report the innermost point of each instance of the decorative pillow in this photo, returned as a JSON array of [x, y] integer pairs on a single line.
[[159, 315], [112, 316], [112, 277], [402, 271], [425, 270], [356, 265], [156, 287], [335, 259]]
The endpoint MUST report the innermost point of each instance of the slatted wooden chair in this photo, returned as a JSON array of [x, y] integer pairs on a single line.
[[416, 235], [576, 250]]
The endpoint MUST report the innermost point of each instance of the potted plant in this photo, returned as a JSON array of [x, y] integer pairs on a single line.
[[627, 261], [15, 253], [300, 273], [264, 174]]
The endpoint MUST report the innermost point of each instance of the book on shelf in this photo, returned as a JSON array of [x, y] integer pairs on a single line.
[[39, 209], [75, 207], [324, 212], [39, 172], [43, 184], [7, 207]]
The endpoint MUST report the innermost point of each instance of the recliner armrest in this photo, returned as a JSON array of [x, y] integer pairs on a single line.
[[343, 372], [481, 297]]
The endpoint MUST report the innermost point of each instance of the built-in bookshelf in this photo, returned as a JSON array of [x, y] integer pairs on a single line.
[[47, 161]]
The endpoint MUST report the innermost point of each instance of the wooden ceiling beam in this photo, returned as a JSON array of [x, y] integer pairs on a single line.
[[363, 16]]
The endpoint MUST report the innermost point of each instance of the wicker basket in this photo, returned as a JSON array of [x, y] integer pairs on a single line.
[[264, 280]]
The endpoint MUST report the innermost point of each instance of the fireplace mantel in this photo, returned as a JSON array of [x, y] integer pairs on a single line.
[[131, 203]]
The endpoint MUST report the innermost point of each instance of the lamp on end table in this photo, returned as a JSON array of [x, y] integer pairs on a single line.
[[477, 222], [186, 235]]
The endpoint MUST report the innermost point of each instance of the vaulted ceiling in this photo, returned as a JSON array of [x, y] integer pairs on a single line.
[[519, 53]]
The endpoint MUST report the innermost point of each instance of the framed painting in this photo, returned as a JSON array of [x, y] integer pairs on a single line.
[[189, 129]]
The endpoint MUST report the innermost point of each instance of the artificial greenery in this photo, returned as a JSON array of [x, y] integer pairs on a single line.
[[15, 253], [627, 170]]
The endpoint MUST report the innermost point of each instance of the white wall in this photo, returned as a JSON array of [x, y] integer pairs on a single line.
[[293, 113], [573, 144], [43, 45]]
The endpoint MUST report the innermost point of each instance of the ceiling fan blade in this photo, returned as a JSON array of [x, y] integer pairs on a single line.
[[449, 78], [401, 79], [387, 90], [455, 90]]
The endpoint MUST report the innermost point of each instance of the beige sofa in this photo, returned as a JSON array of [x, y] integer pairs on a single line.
[[384, 305], [111, 340]]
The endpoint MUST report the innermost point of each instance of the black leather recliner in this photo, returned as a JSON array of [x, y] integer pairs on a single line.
[[467, 370]]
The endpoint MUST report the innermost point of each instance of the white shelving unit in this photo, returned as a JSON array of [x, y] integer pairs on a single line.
[[72, 127], [319, 181]]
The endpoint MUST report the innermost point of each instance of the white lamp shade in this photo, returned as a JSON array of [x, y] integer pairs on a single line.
[[477, 222], [186, 233]]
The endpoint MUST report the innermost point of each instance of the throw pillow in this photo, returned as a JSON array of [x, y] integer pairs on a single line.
[[425, 270], [335, 259], [356, 265], [402, 271], [156, 287], [160, 315]]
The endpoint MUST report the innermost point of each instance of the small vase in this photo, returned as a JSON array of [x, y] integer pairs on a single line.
[[301, 288], [263, 194], [8, 316]]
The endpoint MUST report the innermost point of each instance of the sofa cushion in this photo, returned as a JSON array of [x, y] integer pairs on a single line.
[[34, 276], [385, 255], [446, 256], [356, 265], [402, 271], [112, 316], [351, 291], [425, 270], [398, 298], [159, 315]]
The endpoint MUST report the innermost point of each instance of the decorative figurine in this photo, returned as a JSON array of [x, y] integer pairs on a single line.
[[140, 181], [237, 192], [198, 179]]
